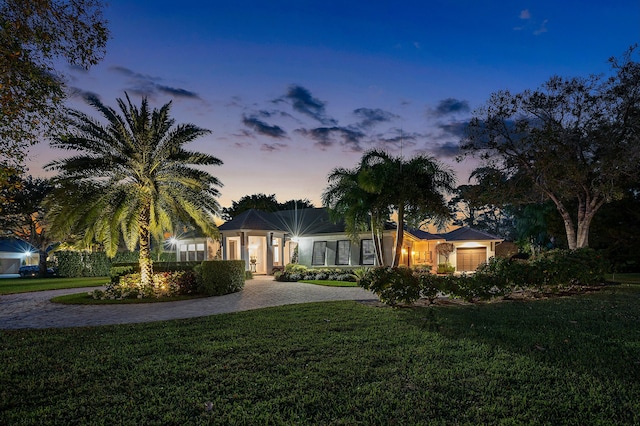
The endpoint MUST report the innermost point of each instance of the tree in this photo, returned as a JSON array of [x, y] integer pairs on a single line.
[[414, 189], [25, 218], [131, 177], [382, 184], [34, 36], [575, 141], [346, 200], [263, 202]]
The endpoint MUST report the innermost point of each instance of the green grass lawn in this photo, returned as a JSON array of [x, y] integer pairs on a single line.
[[23, 285], [331, 283], [572, 360], [624, 278], [85, 299]]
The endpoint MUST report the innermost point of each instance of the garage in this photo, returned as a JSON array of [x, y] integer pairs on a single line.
[[468, 259]]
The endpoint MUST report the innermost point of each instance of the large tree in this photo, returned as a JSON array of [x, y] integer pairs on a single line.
[[133, 177], [381, 184], [24, 218], [263, 202], [347, 200], [35, 37], [414, 189], [575, 141]]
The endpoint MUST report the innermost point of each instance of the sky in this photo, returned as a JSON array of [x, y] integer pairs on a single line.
[[292, 89]]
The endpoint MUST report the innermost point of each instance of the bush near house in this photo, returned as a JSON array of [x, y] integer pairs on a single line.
[[295, 272], [218, 277], [551, 271], [164, 284]]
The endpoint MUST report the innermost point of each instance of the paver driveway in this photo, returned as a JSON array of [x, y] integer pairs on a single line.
[[34, 310]]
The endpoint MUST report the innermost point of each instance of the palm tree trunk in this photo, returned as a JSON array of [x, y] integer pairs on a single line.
[[399, 236], [146, 265]]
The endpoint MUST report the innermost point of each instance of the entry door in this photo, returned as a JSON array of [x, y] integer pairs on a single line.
[[468, 259]]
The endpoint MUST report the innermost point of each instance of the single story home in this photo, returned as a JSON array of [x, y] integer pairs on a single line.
[[268, 241], [15, 253]]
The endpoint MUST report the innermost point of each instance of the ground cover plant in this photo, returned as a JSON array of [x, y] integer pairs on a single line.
[[566, 360], [331, 283], [24, 285]]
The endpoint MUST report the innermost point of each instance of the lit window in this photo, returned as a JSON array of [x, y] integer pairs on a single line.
[[343, 250]]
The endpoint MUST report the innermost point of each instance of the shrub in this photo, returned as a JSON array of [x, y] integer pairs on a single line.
[[392, 285], [446, 268], [164, 284], [118, 271], [218, 277]]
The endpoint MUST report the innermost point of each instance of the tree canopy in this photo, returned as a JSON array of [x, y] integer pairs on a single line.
[[267, 203], [24, 218], [34, 36], [382, 184], [574, 141], [131, 177]]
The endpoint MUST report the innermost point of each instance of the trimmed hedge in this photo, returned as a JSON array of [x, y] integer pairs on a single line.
[[73, 264], [551, 271], [218, 277]]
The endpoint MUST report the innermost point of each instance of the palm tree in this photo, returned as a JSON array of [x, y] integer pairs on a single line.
[[131, 177], [347, 200], [413, 189]]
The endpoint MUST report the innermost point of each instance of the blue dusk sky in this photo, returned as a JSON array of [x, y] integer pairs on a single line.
[[293, 89]]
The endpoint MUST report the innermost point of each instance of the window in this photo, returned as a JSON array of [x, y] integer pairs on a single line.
[[343, 250], [367, 252], [319, 251], [191, 252]]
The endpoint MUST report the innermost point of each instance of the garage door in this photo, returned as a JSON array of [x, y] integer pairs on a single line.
[[468, 259]]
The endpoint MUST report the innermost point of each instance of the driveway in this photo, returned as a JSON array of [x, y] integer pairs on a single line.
[[34, 310]]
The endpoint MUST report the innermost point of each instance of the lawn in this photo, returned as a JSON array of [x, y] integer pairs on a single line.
[[23, 285], [331, 283], [556, 361]]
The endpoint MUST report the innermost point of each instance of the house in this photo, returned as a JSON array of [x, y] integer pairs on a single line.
[[268, 241], [15, 253]]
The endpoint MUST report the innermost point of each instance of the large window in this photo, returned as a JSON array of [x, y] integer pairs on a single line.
[[319, 251], [343, 250], [367, 252], [191, 252]]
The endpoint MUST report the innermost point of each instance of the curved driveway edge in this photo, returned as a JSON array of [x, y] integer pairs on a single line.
[[34, 310]]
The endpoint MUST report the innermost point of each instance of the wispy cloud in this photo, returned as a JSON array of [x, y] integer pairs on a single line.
[[326, 137], [263, 128], [369, 117], [148, 86], [530, 24], [450, 106], [305, 103], [273, 147]]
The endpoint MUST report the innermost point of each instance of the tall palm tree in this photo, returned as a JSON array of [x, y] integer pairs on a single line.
[[413, 188], [131, 177], [347, 200]]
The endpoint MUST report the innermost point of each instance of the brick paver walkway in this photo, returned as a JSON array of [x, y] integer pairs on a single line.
[[34, 310]]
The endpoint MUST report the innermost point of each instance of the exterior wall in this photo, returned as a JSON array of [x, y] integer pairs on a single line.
[[490, 246], [10, 262], [256, 248], [305, 249]]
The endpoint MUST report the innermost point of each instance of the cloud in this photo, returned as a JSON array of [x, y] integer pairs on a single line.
[[263, 128], [542, 28], [76, 92], [398, 139], [451, 106], [272, 147], [445, 150], [303, 102], [370, 117], [326, 137], [531, 24], [148, 86], [456, 129]]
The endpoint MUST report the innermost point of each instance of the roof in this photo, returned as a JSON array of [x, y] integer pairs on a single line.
[[251, 219], [423, 235], [296, 222], [465, 234], [14, 245]]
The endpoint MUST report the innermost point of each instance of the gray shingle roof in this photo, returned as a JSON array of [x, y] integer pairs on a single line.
[[465, 234]]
